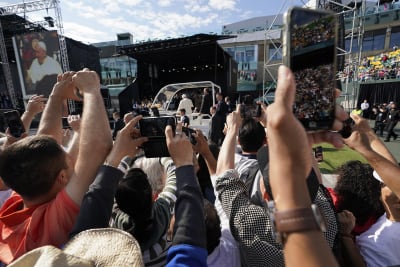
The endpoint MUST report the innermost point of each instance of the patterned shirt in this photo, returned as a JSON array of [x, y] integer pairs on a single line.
[[251, 226]]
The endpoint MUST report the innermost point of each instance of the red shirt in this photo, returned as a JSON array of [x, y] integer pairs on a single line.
[[23, 229]]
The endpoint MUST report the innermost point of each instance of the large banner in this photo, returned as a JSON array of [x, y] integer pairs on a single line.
[[38, 60]]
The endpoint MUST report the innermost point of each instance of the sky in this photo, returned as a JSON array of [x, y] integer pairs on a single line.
[[92, 21]]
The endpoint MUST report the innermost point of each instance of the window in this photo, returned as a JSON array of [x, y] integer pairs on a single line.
[[354, 47], [374, 40], [395, 37], [275, 52]]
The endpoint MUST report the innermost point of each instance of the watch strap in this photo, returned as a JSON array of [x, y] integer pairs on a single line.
[[296, 220]]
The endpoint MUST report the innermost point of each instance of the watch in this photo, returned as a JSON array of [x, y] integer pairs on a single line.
[[295, 220]]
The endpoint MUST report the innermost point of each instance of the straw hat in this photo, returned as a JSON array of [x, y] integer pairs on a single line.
[[104, 247]]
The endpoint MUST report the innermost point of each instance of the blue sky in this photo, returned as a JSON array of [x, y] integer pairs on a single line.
[[91, 21]]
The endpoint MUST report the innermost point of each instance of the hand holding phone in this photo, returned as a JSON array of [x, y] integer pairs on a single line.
[[250, 110], [154, 129], [310, 51], [189, 133]]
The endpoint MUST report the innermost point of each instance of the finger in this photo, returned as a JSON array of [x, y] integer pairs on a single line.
[[340, 113], [132, 123], [286, 89], [179, 128], [355, 117], [238, 108], [337, 125], [327, 137], [139, 141], [169, 134]]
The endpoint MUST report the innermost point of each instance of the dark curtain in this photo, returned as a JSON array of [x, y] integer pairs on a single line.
[[378, 93]]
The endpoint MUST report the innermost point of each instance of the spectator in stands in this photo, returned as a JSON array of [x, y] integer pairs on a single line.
[[49, 187]]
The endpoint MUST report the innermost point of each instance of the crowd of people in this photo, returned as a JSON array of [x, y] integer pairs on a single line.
[[253, 198], [385, 117], [383, 66]]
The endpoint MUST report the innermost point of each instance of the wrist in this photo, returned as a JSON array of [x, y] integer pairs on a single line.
[[182, 163]]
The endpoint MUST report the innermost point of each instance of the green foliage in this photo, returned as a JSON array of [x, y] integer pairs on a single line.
[[333, 157]]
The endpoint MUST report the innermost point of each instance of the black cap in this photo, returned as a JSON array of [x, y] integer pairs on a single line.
[[263, 163]]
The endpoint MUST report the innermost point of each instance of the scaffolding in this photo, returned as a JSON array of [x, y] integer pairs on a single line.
[[346, 58], [23, 8]]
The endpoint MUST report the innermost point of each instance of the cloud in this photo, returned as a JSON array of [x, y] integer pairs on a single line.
[[164, 3], [222, 4], [196, 6], [85, 34]]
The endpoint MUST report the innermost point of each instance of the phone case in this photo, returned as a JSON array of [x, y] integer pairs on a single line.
[[309, 50]]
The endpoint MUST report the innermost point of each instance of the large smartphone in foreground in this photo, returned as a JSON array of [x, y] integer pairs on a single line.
[[309, 50], [154, 129], [14, 122]]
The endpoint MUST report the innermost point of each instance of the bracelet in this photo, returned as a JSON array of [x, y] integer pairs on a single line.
[[347, 235]]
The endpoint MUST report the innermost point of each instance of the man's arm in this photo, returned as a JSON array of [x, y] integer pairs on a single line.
[[95, 137], [35, 106], [290, 163], [203, 149], [189, 241], [97, 203], [51, 123], [364, 140]]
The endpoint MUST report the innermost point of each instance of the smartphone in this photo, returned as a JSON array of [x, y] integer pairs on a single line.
[[65, 124], [189, 133], [309, 50], [250, 110], [14, 123], [154, 129]]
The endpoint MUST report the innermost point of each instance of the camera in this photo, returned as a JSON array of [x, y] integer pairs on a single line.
[[154, 129], [189, 133], [250, 110], [309, 50], [15, 125]]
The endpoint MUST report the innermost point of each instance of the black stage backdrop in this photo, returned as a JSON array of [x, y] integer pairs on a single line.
[[377, 93]]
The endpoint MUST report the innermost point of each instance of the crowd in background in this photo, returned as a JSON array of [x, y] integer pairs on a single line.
[[84, 199]]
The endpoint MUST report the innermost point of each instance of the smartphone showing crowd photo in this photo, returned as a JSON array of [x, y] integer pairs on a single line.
[[309, 49]]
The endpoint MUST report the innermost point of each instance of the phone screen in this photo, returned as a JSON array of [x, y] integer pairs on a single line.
[[250, 111], [155, 126], [311, 54]]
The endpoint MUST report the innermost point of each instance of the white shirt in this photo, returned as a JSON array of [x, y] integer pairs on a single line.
[[364, 105], [380, 244], [227, 252], [187, 104], [37, 71]]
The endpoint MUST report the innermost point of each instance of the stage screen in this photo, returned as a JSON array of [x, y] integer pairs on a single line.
[[38, 60]]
